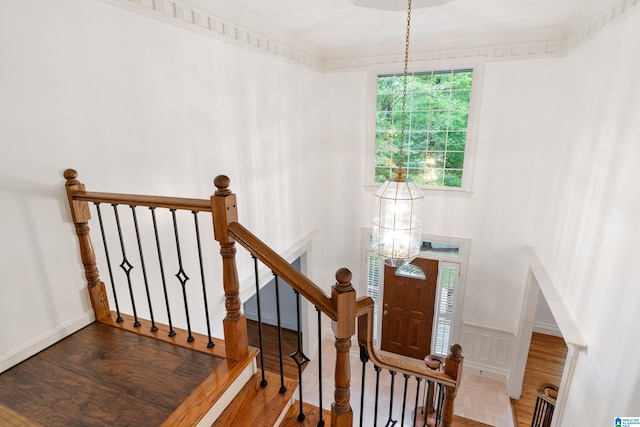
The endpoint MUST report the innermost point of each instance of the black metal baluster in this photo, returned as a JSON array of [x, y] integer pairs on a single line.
[[404, 397], [428, 400], [298, 356], [364, 358], [126, 267], [320, 421], [154, 328], [172, 333], [375, 411], [440, 394], [264, 382], [210, 344], [106, 253], [181, 275], [283, 389], [415, 409], [391, 422]]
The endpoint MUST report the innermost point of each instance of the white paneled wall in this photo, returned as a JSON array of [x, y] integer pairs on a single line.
[[487, 350]]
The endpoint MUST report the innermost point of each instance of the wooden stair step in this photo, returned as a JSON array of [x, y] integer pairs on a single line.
[[256, 406], [311, 418], [458, 421]]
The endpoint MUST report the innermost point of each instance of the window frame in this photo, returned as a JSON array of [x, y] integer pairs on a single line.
[[472, 124]]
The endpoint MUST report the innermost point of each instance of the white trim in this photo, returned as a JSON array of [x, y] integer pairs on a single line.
[[546, 329], [475, 64], [462, 260], [295, 251], [487, 350], [230, 393], [239, 27], [539, 281], [40, 343]]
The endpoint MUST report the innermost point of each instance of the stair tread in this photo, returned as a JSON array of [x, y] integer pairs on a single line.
[[255, 406], [311, 416]]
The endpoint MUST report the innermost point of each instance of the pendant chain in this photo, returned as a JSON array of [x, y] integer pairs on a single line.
[[404, 90]]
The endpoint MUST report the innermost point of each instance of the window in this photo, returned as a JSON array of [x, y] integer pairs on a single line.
[[436, 149], [445, 308]]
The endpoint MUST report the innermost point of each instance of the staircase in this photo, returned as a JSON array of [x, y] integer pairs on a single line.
[[347, 314]]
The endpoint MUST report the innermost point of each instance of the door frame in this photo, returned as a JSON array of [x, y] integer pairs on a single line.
[[462, 259]]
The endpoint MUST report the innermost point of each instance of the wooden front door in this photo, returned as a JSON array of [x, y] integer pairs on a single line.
[[408, 309]]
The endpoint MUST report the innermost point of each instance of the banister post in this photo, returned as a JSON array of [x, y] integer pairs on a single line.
[[344, 298], [81, 215], [224, 212], [452, 368]]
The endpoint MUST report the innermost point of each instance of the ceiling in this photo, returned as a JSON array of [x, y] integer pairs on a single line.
[[334, 24]]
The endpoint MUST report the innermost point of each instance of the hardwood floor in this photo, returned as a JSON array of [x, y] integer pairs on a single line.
[[545, 363], [271, 353], [102, 376]]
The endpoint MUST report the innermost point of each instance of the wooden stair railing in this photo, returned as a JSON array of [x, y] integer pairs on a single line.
[[342, 307], [449, 379]]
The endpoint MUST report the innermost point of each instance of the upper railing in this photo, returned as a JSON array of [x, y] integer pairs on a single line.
[[341, 306]]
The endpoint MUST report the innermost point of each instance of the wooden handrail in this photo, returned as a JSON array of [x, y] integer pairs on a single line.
[[364, 313], [199, 205], [283, 269]]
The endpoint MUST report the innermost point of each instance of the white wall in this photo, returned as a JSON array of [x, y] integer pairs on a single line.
[[136, 105], [589, 245], [142, 106]]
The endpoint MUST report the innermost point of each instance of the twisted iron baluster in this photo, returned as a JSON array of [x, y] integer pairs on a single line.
[[415, 409], [210, 344], [298, 356], [154, 328], [181, 275], [283, 389], [404, 397], [264, 382], [106, 253], [126, 267], [172, 333], [320, 421]]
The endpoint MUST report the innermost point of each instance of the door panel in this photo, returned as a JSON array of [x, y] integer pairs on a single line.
[[408, 310]]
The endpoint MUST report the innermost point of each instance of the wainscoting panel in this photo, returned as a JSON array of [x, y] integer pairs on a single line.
[[487, 351]]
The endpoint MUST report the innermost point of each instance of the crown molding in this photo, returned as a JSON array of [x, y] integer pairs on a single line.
[[590, 24], [231, 24], [191, 17], [531, 44]]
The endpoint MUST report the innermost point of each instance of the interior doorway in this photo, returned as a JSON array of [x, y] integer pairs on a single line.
[[408, 308]]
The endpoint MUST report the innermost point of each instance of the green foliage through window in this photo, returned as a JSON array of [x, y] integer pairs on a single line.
[[437, 111]]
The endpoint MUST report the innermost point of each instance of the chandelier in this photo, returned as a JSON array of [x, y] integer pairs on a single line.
[[397, 215]]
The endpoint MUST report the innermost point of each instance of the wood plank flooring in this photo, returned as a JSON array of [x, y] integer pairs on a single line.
[[545, 363], [103, 376]]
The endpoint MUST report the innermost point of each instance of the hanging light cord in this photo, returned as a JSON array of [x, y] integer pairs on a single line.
[[400, 171]]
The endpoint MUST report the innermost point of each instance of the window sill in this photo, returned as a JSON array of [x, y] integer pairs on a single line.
[[372, 188]]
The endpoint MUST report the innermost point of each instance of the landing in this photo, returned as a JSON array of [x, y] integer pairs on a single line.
[[103, 376]]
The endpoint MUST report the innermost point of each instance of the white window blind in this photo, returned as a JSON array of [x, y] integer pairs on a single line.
[[373, 288], [445, 310]]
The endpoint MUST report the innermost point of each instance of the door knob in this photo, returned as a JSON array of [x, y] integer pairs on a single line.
[[386, 306], [385, 312]]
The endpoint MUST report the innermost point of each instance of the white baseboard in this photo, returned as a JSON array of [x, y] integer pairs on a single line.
[[482, 370], [546, 329], [43, 341], [221, 404]]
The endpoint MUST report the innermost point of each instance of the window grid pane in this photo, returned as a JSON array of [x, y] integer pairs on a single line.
[[437, 112]]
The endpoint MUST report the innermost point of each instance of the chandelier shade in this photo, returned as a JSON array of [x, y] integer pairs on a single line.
[[397, 221]]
